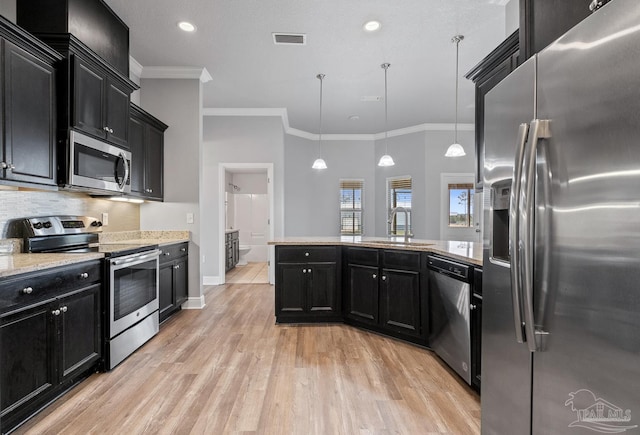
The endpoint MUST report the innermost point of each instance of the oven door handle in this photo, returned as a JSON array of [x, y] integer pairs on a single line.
[[137, 258]]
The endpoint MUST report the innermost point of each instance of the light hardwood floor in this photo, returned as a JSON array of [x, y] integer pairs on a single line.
[[228, 369], [251, 273]]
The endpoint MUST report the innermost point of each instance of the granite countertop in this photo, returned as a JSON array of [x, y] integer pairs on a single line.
[[14, 264], [464, 251], [145, 237]]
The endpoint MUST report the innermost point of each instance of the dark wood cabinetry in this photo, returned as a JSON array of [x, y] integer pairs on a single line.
[[384, 291], [50, 336], [486, 75], [146, 141], [476, 329], [232, 249], [27, 131], [174, 278], [307, 284]]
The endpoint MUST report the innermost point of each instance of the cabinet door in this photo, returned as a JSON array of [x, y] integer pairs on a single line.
[[80, 340], [476, 340], [27, 341], [363, 293], [117, 114], [181, 280], [400, 301], [138, 156], [154, 159], [166, 297], [88, 100], [236, 251], [322, 288], [29, 117], [291, 287]]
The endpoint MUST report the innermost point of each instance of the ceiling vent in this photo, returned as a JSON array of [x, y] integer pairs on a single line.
[[289, 38]]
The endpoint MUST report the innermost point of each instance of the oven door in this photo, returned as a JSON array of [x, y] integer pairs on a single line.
[[133, 289], [96, 165]]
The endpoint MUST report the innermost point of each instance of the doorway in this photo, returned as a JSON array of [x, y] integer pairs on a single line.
[[246, 211]]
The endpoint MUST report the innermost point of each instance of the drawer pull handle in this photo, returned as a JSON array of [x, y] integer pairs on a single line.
[[56, 312], [63, 309], [27, 290], [84, 275]]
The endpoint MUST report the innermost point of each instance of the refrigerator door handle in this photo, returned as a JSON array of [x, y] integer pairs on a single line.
[[539, 129], [514, 254]]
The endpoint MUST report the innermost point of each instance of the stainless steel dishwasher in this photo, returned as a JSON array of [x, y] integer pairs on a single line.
[[449, 293]]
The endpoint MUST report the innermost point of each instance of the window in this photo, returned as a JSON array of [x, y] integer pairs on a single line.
[[461, 205], [399, 195], [351, 195]]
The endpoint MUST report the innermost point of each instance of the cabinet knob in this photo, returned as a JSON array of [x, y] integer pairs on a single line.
[[306, 254], [106, 129], [167, 253], [472, 306], [304, 270], [63, 309], [56, 312], [3, 165], [27, 290], [11, 166], [384, 278], [375, 276], [183, 249], [177, 266], [84, 275]]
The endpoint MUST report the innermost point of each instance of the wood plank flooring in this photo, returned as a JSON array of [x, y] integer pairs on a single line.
[[251, 273], [228, 369]]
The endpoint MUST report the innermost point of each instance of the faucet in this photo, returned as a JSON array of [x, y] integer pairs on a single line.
[[392, 215]]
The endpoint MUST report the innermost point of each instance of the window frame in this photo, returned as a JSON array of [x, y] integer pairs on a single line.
[[392, 227], [470, 189], [344, 184]]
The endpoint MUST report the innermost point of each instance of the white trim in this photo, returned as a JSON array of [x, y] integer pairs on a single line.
[[176, 72], [211, 280], [222, 167], [135, 67], [196, 303], [283, 113]]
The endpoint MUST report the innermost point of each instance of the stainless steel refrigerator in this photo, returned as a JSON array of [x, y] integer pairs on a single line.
[[561, 293]]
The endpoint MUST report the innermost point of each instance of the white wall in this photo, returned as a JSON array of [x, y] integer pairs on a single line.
[[178, 103], [230, 139], [8, 9], [512, 17], [250, 183]]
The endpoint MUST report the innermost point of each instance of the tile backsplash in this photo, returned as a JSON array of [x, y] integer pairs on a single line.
[[15, 204]]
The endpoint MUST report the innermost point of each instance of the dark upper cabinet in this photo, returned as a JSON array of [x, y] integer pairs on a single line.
[[146, 142], [544, 21], [100, 104], [27, 129], [486, 75]]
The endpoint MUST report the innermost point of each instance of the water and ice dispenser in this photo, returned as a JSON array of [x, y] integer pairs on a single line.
[[500, 196]]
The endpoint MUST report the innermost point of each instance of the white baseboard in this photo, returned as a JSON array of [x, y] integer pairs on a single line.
[[196, 303], [211, 280]]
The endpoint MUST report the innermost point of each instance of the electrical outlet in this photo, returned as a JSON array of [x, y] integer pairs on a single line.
[[189, 218], [105, 218]]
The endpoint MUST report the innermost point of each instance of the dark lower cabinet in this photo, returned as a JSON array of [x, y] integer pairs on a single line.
[[173, 278], [50, 337], [307, 291], [362, 293], [27, 109], [400, 301], [476, 330], [232, 249]]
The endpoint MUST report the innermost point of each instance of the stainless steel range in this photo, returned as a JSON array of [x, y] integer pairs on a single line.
[[130, 304]]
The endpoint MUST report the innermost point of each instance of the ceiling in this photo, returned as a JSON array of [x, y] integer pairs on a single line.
[[234, 43]]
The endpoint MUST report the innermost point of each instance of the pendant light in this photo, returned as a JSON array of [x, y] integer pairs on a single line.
[[385, 160], [455, 149], [320, 163]]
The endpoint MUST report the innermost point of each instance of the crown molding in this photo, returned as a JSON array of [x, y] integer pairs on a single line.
[[135, 68], [176, 72], [282, 113]]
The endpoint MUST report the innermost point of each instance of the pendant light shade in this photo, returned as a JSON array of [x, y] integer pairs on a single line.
[[385, 160], [320, 163], [455, 149]]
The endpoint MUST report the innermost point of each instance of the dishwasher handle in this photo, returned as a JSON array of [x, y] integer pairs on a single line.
[[458, 271]]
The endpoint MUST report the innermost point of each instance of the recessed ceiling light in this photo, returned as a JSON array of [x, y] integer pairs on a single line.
[[186, 26], [372, 26]]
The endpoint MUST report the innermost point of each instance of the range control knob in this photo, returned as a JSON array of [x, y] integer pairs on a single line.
[[96, 224], [47, 224], [37, 225]]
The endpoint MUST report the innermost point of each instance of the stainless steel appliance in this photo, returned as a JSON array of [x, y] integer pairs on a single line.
[[449, 323], [561, 300], [92, 165], [131, 284]]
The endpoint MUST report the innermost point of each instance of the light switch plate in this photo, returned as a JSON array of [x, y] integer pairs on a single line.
[[189, 218], [105, 218]]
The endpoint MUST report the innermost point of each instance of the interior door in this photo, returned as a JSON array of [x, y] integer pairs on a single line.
[[587, 256]]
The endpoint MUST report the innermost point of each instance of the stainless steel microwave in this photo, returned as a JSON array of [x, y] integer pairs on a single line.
[[96, 166]]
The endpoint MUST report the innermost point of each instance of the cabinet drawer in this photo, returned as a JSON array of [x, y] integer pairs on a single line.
[[26, 289], [364, 256], [297, 254], [403, 260], [171, 252]]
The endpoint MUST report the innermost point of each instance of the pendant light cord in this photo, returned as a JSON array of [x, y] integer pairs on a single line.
[[320, 77], [386, 120], [457, 40]]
